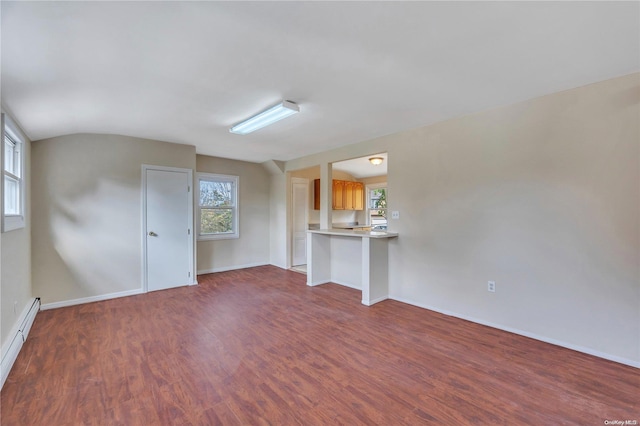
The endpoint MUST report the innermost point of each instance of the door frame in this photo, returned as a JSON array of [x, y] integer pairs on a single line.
[[189, 172], [305, 181]]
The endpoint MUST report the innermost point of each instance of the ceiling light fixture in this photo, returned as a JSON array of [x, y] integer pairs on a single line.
[[269, 116], [376, 161]]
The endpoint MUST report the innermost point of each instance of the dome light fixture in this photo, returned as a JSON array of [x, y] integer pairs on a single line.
[[376, 161]]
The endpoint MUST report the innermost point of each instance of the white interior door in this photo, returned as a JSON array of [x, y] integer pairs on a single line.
[[168, 222], [300, 203]]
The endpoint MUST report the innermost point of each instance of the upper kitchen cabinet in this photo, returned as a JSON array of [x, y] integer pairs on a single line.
[[351, 177], [316, 194], [338, 195], [353, 195], [347, 195], [358, 196]]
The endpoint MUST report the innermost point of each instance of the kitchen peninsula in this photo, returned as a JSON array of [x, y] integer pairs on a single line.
[[357, 259]]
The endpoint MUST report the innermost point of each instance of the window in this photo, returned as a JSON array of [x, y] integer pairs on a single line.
[[217, 206], [13, 178], [377, 206]]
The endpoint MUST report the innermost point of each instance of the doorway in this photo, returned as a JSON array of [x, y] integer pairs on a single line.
[[300, 221], [167, 227]]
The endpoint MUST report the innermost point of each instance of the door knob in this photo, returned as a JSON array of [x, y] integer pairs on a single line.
[[152, 234]]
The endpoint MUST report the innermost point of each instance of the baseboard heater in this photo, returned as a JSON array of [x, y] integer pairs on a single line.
[[10, 355]]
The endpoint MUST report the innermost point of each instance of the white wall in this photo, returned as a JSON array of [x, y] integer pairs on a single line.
[[87, 214], [346, 261], [542, 197], [252, 248], [15, 263]]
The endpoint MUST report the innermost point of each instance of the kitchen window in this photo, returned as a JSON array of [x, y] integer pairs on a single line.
[[377, 206], [13, 176], [217, 206]]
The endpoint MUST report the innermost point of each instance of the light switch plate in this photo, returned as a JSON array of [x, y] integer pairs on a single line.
[[395, 214]]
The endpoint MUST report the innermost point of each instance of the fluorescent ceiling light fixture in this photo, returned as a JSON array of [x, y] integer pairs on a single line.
[[270, 116], [376, 161]]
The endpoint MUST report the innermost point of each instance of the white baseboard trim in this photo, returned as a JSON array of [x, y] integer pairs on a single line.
[[350, 285], [278, 266], [230, 268], [374, 301], [19, 333], [534, 336], [65, 303], [315, 283]]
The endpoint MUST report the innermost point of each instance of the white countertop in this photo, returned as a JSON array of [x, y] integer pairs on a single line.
[[348, 226], [354, 233]]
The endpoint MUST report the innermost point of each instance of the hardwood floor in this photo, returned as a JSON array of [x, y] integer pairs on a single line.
[[258, 346]]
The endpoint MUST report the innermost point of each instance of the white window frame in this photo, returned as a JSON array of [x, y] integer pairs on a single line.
[[369, 188], [12, 222], [234, 209]]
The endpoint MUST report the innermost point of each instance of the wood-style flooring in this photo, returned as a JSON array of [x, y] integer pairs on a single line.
[[259, 347]]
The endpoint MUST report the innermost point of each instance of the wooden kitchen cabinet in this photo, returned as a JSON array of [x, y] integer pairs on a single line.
[[346, 195], [338, 194], [358, 196], [316, 194], [353, 196]]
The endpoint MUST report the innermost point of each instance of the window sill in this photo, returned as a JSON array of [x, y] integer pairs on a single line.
[[11, 223], [218, 237]]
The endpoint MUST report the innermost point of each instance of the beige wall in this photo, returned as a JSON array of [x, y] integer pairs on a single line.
[[542, 197], [252, 248], [87, 215], [15, 263], [374, 179], [279, 234], [310, 174]]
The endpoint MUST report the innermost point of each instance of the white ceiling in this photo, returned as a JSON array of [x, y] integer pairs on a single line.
[[361, 167], [186, 71]]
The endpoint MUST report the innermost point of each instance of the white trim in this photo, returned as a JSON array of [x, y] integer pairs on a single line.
[[298, 270], [534, 336], [19, 331], [278, 266], [189, 173], [367, 200], [216, 237], [90, 299], [230, 268], [374, 301], [300, 181], [13, 222], [342, 283], [235, 209], [12, 350], [27, 323]]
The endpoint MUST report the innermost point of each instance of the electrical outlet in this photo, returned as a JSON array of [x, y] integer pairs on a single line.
[[395, 214], [491, 286]]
